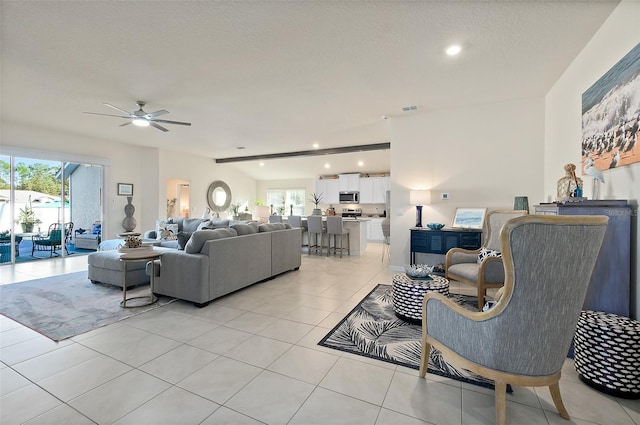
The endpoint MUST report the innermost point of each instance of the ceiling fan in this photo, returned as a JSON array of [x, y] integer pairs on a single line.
[[141, 118]]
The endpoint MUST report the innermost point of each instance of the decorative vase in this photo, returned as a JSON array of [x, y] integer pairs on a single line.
[[27, 227], [129, 222], [521, 203]]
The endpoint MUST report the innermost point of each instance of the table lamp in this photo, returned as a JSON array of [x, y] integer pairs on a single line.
[[261, 213], [419, 198]]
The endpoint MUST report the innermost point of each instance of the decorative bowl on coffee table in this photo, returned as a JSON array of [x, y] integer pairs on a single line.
[[435, 226], [418, 271]]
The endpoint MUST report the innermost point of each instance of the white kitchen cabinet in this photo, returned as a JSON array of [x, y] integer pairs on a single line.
[[374, 230], [380, 187], [349, 182], [366, 190], [329, 188], [373, 190]]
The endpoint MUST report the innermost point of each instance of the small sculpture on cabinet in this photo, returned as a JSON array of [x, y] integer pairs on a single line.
[[569, 186]]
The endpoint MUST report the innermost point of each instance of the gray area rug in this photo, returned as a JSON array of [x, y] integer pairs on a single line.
[[372, 330], [67, 305]]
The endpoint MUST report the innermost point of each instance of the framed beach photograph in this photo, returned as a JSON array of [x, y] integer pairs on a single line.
[[125, 189], [469, 218]]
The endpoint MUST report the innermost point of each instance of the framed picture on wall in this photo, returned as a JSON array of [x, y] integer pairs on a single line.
[[125, 189], [469, 218]]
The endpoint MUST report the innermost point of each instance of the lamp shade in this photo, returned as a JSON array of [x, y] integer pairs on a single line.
[[261, 211], [419, 197]]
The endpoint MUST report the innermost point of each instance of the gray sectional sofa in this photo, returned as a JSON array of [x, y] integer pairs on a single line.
[[223, 260]]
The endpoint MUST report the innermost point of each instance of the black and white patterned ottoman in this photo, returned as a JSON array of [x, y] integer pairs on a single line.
[[607, 353], [408, 295]]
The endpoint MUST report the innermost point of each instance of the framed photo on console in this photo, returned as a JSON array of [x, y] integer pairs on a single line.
[[469, 218], [125, 189]]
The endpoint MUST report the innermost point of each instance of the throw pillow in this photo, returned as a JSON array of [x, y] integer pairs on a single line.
[[168, 232], [183, 238], [158, 224], [484, 253]]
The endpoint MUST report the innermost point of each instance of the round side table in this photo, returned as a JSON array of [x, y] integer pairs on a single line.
[[408, 295], [607, 353], [128, 255]]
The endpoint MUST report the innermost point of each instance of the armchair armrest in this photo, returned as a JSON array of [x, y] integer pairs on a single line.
[[492, 270], [460, 255]]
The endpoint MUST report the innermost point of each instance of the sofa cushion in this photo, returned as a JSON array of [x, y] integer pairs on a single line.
[[485, 252], [183, 238], [218, 224], [245, 229], [199, 237], [270, 227], [191, 224]]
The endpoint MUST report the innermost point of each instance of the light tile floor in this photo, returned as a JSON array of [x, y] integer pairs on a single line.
[[251, 358]]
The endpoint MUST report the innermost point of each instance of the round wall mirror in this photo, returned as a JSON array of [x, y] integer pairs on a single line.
[[219, 196]]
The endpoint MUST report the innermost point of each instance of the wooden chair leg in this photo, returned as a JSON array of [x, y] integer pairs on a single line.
[[501, 403], [482, 293], [424, 356], [554, 389]]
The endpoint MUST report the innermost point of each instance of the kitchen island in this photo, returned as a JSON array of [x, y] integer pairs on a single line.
[[357, 233]]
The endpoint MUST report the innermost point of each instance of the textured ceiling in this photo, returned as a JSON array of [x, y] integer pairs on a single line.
[[277, 76]]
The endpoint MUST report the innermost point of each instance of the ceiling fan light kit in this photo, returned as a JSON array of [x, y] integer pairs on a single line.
[[140, 118]]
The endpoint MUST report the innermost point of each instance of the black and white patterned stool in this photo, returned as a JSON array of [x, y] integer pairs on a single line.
[[607, 353], [408, 294]]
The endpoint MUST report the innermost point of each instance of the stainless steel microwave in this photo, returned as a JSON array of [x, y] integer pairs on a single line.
[[349, 197]]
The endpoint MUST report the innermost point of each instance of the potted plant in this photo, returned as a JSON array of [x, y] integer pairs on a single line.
[[316, 199], [27, 219], [235, 210]]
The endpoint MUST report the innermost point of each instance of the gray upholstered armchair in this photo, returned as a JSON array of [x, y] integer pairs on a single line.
[[464, 265], [524, 339]]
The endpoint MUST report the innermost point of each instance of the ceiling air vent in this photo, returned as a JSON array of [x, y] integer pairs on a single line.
[[409, 108]]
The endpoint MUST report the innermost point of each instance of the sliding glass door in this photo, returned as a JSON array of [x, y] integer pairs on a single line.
[[45, 205]]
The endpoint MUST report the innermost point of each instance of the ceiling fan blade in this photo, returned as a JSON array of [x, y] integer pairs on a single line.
[[170, 122], [159, 127], [116, 108], [157, 113], [106, 115], [127, 123]]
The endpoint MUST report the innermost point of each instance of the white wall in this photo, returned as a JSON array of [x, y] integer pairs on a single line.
[[200, 172], [482, 156], [563, 134]]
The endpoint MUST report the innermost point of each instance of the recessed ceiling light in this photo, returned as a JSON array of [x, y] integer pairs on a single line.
[[360, 163], [316, 146], [262, 164], [327, 165], [240, 147], [453, 50]]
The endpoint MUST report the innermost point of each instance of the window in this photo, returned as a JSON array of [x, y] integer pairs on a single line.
[[286, 201]]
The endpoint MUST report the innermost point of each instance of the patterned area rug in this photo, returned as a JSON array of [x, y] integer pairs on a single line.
[[67, 305], [372, 329]]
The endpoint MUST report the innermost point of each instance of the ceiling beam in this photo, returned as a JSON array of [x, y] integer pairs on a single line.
[[312, 152]]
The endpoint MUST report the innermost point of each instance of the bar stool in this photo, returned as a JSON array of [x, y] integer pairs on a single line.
[[275, 219], [335, 228], [295, 221], [314, 223]]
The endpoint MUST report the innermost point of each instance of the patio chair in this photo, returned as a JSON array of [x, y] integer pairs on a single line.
[[49, 242]]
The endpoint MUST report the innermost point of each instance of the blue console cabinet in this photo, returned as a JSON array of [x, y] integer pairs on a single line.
[[610, 283]]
